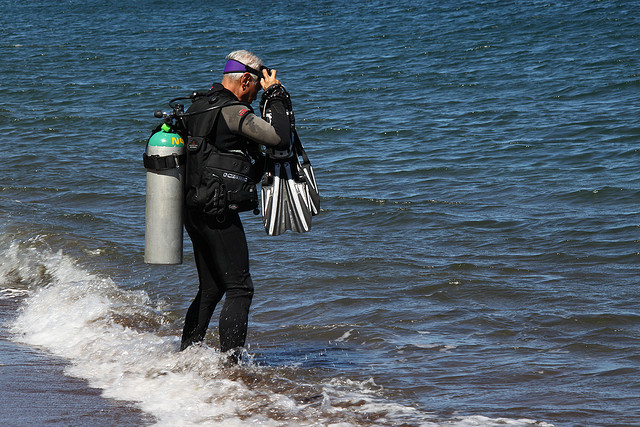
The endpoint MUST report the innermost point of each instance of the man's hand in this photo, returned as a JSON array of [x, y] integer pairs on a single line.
[[268, 79]]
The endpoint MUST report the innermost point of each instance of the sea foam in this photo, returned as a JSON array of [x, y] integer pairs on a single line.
[[116, 339]]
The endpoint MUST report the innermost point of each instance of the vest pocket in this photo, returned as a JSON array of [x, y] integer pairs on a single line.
[[210, 196], [226, 183], [240, 192]]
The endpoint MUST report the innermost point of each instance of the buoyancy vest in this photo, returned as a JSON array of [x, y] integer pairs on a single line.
[[222, 168]]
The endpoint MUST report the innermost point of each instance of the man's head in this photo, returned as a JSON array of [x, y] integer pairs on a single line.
[[242, 75]]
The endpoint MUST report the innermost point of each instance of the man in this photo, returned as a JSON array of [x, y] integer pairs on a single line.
[[223, 154]]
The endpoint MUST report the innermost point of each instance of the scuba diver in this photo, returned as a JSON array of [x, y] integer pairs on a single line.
[[223, 164]]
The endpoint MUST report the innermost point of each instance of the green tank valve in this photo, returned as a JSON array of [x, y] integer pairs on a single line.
[[166, 137]]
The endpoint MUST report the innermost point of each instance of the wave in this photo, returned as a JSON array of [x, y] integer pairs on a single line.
[[125, 344]]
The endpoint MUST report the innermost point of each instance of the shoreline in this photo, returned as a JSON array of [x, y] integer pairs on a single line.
[[34, 390]]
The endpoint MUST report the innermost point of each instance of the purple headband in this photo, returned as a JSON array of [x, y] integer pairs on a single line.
[[233, 66]]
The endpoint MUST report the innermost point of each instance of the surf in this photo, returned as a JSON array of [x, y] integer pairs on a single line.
[[126, 344]]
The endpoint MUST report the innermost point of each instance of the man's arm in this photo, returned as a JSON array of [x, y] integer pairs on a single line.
[[241, 120]]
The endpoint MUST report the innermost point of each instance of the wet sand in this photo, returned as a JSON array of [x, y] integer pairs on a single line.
[[34, 391]]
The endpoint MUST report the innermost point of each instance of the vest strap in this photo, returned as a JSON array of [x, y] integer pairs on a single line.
[[160, 163]]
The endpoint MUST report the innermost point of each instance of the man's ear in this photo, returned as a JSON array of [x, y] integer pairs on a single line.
[[246, 80]]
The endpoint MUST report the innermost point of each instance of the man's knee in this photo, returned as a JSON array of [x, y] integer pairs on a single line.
[[243, 289]]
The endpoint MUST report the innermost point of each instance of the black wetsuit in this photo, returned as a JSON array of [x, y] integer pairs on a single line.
[[219, 242]]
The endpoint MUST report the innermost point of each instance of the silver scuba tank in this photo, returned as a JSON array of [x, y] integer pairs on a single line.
[[164, 160]]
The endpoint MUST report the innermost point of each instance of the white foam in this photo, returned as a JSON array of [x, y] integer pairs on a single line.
[[10, 293], [344, 336], [90, 321], [75, 316]]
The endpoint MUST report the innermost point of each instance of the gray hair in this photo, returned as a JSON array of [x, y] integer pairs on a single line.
[[247, 58]]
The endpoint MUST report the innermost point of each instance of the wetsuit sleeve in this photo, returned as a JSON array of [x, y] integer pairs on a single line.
[[280, 122], [243, 121]]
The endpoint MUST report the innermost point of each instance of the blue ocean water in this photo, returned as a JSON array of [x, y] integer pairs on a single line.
[[475, 261]]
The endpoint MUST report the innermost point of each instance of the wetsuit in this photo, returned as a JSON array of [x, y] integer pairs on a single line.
[[219, 242]]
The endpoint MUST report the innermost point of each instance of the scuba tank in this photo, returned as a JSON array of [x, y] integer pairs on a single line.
[[164, 159]]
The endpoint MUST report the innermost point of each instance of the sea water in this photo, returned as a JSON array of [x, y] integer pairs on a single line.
[[475, 261]]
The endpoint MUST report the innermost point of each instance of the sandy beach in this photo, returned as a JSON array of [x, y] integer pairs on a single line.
[[35, 391]]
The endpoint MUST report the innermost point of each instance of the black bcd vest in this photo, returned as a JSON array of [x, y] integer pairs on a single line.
[[218, 179]]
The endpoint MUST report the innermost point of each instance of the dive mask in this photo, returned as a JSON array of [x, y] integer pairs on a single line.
[[233, 66]]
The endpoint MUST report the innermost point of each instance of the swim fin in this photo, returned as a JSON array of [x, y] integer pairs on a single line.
[[286, 202], [289, 190]]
